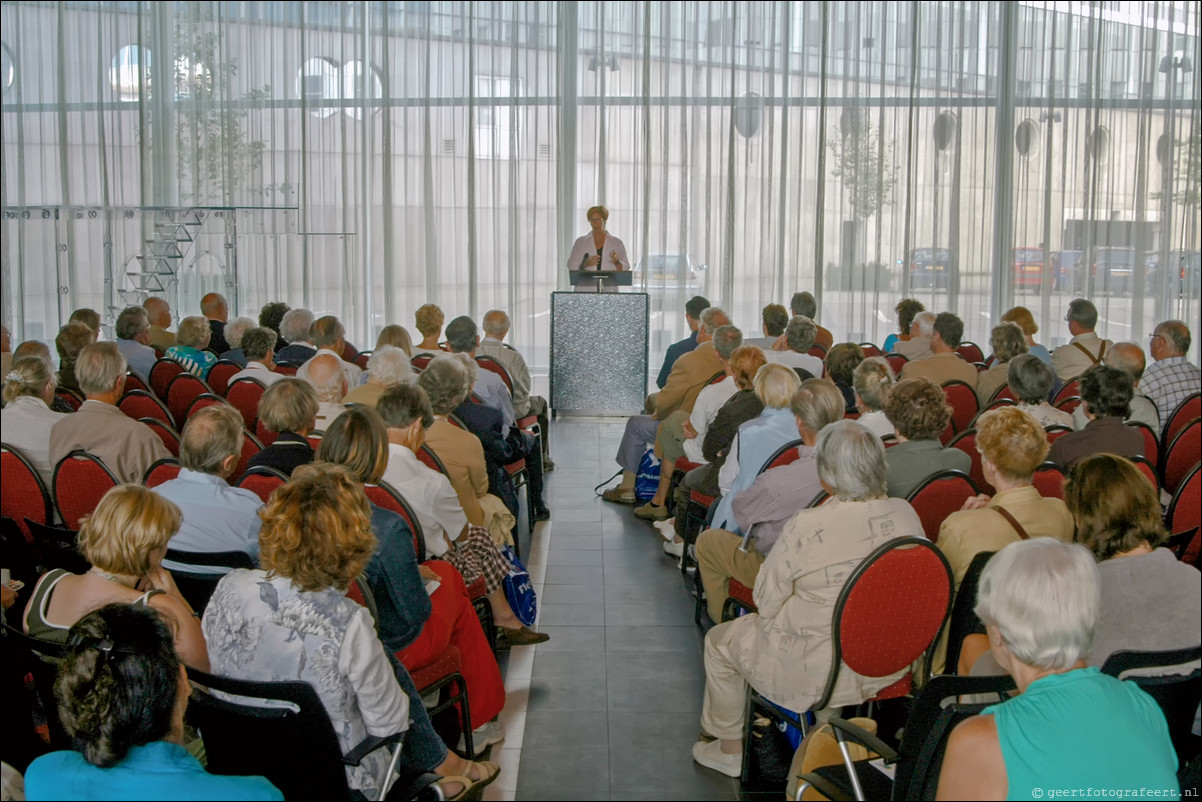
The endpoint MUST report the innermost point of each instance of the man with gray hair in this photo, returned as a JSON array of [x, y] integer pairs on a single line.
[[496, 327], [689, 375], [1172, 378], [799, 339], [215, 516], [326, 375], [919, 344], [804, 304], [258, 346], [1129, 358], [462, 338], [126, 446], [294, 328], [133, 340], [387, 367], [329, 336], [159, 313], [234, 331], [944, 364], [1086, 349]]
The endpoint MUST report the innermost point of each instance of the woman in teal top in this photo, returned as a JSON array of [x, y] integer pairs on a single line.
[[1073, 733], [121, 693], [193, 338]]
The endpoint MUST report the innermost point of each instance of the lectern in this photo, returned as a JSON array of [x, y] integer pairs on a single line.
[[599, 352], [600, 280]]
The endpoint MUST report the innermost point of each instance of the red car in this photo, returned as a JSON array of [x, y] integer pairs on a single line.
[[1028, 267]]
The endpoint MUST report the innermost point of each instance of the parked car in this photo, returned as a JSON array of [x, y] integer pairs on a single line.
[[1028, 267], [933, 267], [669, 272], [1111, 270], [1186, 267]]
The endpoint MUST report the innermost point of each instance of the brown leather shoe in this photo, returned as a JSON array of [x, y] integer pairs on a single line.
[[620, 495], [525, 636]]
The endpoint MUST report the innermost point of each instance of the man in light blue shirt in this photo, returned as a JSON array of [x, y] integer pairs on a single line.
[[216, 517], [463, 338], [133, 340]]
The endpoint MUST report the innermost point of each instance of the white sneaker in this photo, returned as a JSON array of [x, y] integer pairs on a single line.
[[710, 755], [666, 529], [483, 737], [674, 548]]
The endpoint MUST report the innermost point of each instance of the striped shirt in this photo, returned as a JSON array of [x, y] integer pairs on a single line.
[[775, 497]]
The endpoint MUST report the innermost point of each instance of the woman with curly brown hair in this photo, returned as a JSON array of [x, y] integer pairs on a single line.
[[919, 413]]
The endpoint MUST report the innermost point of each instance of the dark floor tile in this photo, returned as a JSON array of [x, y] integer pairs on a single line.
[[557, 774], [548, 730], [574, 539], [670, 592], [665, 731], [572, 594], [635, 572], [578, 513], [572, 575], [652, 639], [575, 557], [567, 693], [582, 667], [648, 615], [652, 697], [634, 542], [574, 639], [571, 615], [642, 770]]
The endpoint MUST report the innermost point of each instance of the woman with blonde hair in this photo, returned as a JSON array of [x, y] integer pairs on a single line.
[[1022, 317], [192, 338], [395, 335], [429, 319], [27, 418], [125, 540]]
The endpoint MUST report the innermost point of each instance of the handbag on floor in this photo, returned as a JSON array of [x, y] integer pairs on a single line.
[[519, 589], [647, 480]]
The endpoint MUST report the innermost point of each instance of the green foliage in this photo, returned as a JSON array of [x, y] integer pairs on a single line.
[[867, 169]]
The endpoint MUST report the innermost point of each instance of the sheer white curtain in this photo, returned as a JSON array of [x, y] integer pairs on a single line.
[[365, 158]]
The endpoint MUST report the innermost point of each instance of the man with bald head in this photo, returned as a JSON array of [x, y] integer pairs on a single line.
[[1129, 358], [326, 375], [215, 309], [329, 337], [1172, 379], [158, 311]]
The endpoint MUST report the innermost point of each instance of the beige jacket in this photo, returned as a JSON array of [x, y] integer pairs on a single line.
[[463, 457], [690, 373]]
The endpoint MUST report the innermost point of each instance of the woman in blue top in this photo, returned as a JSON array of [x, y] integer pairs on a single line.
[[1072, 729], [192, 339], [121, 693]]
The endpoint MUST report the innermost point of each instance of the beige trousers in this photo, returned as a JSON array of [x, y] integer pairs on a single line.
[[724, 707], [719, 560]]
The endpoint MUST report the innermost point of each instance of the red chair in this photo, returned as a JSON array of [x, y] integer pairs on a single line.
[[80, 481], [25, 496], [161, 374], [970, 352], [421, 361], [285, 370], [203, 400], [818, 351], [262, 480], [1148, 470], [166, 432], [139, 404], [1185, 510], [134, 382], [243, 395], [250, 447], [870, 350], [1069, 390], [315, 441], [71, 397], [1054, 433], [1002, 392], [888, 616], [183, 390], [163, 470], [1186, 411], [431, 460], [938, 497], [784, 455], [1049, 480], [1151, 441], [528, 423], [1181, 455], [963, 400], [265, 435], [361, 359], [220, 373], [386, 496], [1068, 404], [995, 404], [949, 433], [966, 441]]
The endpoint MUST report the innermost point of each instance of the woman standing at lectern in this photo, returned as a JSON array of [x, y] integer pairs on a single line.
[[598, 250]]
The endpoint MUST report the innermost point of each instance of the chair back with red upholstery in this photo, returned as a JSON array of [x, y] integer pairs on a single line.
[[431, 460], [219, 375], [265, 435], [1067, 391], [1148, 470], [285, 369], [938, 497], [134, 382], [361, 359], [80, 481], [966, 441], [25, 494], [420, 361], [386, 496], [314, 441], [139, 404], [1048, 479], [244, 395], [1181, 455], [1151, 441], [1055, 432], [896, 362], [1185, 510], [1185, 412], [488, 363], [183, 390], [161, 374], [71, 397], [970, 352], [201, 401], [250, 447], [716, 378], [262, 480], [997, 403], [870, 350], [963, 400], [1003, 392], [163, 470], [784, 455], [164, 432], [1068, 403]]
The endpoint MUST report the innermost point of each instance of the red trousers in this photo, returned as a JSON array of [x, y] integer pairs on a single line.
[[453, 621]]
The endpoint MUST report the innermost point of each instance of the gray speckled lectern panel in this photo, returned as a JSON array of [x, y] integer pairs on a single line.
[[598, 352]]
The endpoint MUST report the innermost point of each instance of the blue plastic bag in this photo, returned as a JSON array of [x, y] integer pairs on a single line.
[[519, 589], [647, 481]]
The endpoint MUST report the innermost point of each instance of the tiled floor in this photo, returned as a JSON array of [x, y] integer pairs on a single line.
[[609, 707]]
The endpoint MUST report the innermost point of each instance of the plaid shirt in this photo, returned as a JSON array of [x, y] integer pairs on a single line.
[[1170, 381]]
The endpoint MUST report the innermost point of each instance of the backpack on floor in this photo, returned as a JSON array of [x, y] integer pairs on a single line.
[[647, 481]]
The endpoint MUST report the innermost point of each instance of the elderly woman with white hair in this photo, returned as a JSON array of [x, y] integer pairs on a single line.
[[235, 330], [1071, 726], [784, 650], [387, 367]]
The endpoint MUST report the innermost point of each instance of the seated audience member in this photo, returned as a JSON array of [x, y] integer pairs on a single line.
[[1106, 397], [258, 346], [329, 381], [1129, 358], [387, 367], [1086, 348], [26, 420], [803, 304], [692, 317], [872, 381], [429, 319], [397, 337], [415, 625], [683, 428], [796, 591], [690, 373], [841, 363], [329, 336], [39, 350], [234, 330], [1071, 726], [918, 345], [1031, 383], [765, 508], [496, 328], [1171, 379], [124, 539], [446, 382], [71, 340], [133, 340], [216, 311], [759, 438], [405, 410], [289, 407], [192, 349], [462, 338], [217, 517], [919, 413], [294, 328], [126, 446], [799, 339], [906, 309], [944, 364], [159, 313], [121, 696], [271, 316], [774, 318], [88, 317], [1007, 342], [1022, 317], [6, 350]]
